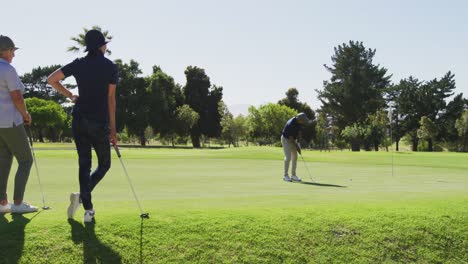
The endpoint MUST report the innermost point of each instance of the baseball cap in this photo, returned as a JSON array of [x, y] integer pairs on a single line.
[[303, 118], [6, 43]]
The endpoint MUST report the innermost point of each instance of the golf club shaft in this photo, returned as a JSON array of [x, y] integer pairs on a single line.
[[128, 177], [28, 132], [308, 171]]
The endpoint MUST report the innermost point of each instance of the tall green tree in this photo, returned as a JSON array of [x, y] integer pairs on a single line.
[[185, 119], [79, 41], [377, 124], [427, 131], [355, 134], [447, 118], [418, 99], [204, 100], [392, 96], [49, 119], [322, 137], [132, 100], [462, 127], [410, 110], [233, 128], [36, 84], [213, 125], [292, 101], [267, 122], [165, 97], [356, 86]]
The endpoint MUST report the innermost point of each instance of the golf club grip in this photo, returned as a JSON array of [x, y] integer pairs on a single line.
[[117, 150], [298, 148]]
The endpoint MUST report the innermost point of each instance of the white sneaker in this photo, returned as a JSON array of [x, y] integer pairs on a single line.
[[5, 208], [74, 204], [286, 178], [23, 208], [88, 216], [295, 178]]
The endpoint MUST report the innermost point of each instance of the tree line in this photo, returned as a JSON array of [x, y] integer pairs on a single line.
[[361, 108]]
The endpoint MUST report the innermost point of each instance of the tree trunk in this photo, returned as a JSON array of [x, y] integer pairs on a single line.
[[40, 136], [398, 145], [376, 146], [195, 141], [415, 141], [142, 139], [367, 146], [355, 146], [429, 141]]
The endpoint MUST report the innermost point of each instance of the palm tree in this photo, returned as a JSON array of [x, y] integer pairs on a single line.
[[80, 40]]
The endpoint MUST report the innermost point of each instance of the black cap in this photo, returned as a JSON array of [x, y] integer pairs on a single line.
[[94, 39], [6, 43]]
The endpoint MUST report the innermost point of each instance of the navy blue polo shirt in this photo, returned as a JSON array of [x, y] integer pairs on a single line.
[[93, 75], [292, 128]]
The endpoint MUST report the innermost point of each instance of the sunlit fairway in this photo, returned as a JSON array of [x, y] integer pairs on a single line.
[[231, 206]]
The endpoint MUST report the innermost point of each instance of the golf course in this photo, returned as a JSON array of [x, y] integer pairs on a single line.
[[230, 205]]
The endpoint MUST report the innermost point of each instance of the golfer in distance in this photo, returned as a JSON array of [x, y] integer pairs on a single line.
[[291, 133]]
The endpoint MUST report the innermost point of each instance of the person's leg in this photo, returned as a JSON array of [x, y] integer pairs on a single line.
[[287, 154], [17, 141], [102, 148], [83, 147], [6, 159], [293, 161], [99, 133]]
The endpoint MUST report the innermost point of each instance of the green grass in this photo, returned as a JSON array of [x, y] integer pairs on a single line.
[[231, 206]]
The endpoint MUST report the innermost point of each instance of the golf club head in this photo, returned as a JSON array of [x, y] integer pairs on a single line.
[[46, 207], [145, 216]]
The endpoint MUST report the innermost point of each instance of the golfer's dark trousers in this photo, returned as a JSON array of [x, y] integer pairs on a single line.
[[89, 134]]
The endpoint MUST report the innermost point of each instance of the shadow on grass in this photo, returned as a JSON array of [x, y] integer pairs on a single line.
[[12, 237], [141, 242], [323, 184], [94, 251]]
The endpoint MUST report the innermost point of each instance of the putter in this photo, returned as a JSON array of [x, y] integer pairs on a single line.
[[116, 148], [305, 164], [28, 131]]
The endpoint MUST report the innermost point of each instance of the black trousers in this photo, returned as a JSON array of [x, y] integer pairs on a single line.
[[89, 134]]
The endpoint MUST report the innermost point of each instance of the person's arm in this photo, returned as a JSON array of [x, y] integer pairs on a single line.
[[18, 100], [54, 80], [112, 105]]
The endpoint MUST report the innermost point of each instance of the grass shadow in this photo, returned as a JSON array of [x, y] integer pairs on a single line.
[[141, 242], [94, 251], [12, 237], [323, 184]]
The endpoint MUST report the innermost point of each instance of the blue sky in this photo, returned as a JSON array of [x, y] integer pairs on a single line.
[[256, 50]]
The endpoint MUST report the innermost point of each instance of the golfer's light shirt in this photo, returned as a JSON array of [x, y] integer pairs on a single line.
[[9, 82]]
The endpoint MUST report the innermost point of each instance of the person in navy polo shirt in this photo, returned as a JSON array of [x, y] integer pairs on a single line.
[[93, 122], [289, 136]]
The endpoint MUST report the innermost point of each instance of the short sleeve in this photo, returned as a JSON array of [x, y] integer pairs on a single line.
[[70, 69], [114, 75], [13, 81]]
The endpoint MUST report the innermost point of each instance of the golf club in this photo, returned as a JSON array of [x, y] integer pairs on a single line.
[[305, 164], [142, 214], [28, 132]]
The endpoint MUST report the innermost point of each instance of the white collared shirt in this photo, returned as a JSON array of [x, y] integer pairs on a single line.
[[9, 82]]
